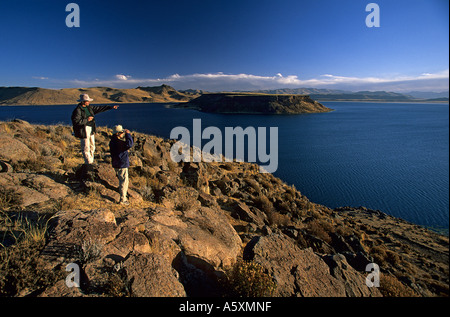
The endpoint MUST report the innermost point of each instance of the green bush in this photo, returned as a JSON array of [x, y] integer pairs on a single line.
[[248, 279]]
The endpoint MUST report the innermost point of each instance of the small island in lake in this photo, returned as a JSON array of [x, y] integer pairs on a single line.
[[255, 103]]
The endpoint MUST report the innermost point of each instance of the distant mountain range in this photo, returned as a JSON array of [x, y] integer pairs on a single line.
[[428, 95], [332, 94], [43, 96], [165, 93]]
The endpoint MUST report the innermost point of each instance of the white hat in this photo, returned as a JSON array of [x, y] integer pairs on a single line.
[[117, 129], [84, 97]]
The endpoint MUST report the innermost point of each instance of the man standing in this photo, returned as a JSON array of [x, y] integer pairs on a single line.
[[83, 121], [121, 142]]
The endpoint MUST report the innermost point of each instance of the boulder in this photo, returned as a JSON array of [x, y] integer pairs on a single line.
[[152, 275], [46, 186], [34, 188], [354, 282], [71, 228], [126, 241], [206, 237], [182, 198], [60, 289], [151, 148], [243, 212], [297, 272], [194, 174], [14, 150]]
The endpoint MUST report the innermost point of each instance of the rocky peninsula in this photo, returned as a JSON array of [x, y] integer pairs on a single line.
[[255, 103], [192, 229]]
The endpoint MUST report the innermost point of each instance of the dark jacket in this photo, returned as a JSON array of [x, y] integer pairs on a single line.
[[119, 151], [80, 119]]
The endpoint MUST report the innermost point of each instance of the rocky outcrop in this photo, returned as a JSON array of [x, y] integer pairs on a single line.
[[12, 149], [99, 243], [189, 224], [33, 188], [301, 272], [256, 103], [146, 244]]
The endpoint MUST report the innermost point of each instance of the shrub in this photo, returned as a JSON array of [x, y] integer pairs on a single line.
[[283, 207], [9, 198], [384, 256], [264, 204], [277, 219], [252, 184], [112, 282], [90, 251], [34, 232], [185, 199], [393, 258], [33, 165], [71, 163], [23, 272], [5, 127], [392, 287], [94, 192], [147, 193], [344, 231], [266, 183], [248, 279], [316, 228], [22, 229], [117, 284], [65, 203]]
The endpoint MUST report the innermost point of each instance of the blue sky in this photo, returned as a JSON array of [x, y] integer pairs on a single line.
[[226, 44]]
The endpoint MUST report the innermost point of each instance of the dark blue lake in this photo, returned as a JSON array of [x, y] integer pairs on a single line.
[[388, 156]]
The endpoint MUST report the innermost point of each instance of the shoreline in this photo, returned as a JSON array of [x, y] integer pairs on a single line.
[[441, 230], [216, 212], [440, 227], [184, 102]]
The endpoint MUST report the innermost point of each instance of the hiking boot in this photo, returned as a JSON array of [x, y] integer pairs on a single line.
[[125, 203]]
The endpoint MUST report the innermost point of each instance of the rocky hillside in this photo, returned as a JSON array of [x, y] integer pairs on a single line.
[[255, 103], [192, 229], [42, 96]]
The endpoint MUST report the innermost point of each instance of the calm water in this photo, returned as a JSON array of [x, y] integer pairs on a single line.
[[388, 156]]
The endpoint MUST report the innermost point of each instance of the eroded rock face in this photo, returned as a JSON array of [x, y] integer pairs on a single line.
[[146, 244], [152, 275], [301, 272], [14, 150], [204, 235], [353, 281], [72, 228], [296, 271], [33, 188]]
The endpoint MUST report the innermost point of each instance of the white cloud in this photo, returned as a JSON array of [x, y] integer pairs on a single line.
[[222, 82], [122, 77]]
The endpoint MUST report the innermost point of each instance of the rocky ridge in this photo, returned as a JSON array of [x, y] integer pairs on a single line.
[[43, 96], [255, 103], [191, 229]]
